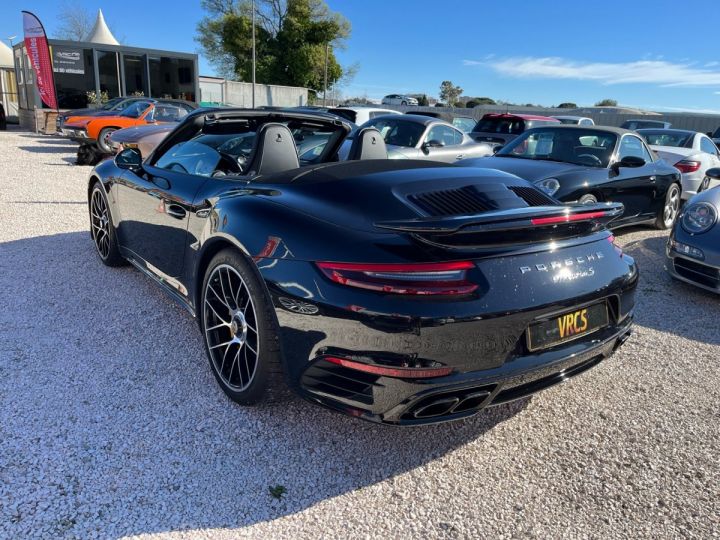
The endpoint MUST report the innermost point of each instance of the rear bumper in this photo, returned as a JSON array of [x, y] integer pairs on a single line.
[[690, 184], [404, 402]]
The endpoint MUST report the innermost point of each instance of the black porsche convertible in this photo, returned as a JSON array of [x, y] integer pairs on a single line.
[[591, 164], [398, 291]]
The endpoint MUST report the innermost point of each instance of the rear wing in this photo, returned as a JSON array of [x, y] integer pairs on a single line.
[[517, 218]]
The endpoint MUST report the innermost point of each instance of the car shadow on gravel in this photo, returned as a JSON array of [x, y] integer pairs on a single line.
[[669, 305], [113, 422], [65, 149]]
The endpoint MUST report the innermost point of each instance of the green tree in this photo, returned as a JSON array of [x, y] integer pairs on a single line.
[[293, 39], [449, 92], [567, 105], [606, 103]]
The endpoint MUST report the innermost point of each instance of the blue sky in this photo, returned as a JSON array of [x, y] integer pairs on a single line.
[[653, 55]]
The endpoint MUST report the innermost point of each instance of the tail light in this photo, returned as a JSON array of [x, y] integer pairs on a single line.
[[447, 278], [566, 218], [389, 371], [687, 166]]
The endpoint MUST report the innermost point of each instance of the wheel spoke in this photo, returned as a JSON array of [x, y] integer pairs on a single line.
[[216, 313], [226, 325], [224, 334], [221, 344]]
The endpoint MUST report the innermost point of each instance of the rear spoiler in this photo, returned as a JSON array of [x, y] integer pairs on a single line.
[[506, 220]]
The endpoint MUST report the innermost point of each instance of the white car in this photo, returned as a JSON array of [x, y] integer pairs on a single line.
[[575, 120], [690, 152], [399, 99], [360, 115]]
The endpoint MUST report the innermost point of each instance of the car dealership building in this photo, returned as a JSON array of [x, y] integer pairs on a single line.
[[102, 66]]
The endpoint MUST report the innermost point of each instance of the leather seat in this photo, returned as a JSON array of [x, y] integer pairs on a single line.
[[368, 144], [273, 150]]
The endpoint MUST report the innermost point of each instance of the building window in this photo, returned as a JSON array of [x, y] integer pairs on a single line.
[[135, 75], [74, 76], [108, 72], [172, 78], [20, 79]]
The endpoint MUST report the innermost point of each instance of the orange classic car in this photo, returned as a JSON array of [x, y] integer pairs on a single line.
[[95, 131]]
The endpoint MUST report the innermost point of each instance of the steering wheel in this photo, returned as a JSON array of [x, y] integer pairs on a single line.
[[591, 157], [234, 163]]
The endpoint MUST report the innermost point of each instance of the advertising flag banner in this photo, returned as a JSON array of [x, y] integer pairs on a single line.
[[37, 49]]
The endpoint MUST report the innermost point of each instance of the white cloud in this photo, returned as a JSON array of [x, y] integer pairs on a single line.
[[659, 72]]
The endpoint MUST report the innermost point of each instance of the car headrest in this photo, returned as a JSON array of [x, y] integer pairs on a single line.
[[368, 144], [273, 151]]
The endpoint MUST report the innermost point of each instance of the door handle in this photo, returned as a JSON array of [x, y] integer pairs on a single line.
[[460, 156], [175, 210]]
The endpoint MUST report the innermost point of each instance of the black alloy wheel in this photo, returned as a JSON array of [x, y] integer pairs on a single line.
[[239, 329], [102, 229]]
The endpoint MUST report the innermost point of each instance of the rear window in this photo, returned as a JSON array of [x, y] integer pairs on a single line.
[[513, 126], [641, 124], [664, 137], [347, 114]]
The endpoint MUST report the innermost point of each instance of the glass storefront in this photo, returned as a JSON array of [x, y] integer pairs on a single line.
[[74, 71], [172, 77], [135, 75], [107, 62], [80, 68]]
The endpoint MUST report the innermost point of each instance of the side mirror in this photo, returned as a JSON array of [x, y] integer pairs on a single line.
[[497, 148], [432, 144], [129, 159], [713, 173], [709, 134], [630, 162]]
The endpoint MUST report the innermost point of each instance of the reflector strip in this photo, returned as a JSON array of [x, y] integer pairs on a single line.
[[386, 371]]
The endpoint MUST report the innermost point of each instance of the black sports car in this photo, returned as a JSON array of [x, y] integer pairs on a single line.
[[693, 248], [402, 292], [591, 164]]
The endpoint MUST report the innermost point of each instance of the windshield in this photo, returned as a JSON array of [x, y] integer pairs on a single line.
[[136, 109], [464, 124], [664, 137], [113, 103], [497, 124], [584, 147], [398, 132]]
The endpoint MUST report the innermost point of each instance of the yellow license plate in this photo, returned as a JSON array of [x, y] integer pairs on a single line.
[[567, 327]]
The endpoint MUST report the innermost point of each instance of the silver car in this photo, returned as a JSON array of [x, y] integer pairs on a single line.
[[575, 120], [399, 99], [411, 136]]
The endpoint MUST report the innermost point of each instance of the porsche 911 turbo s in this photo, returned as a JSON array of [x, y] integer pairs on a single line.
[[693, 249], [398, 291], [591, 164]]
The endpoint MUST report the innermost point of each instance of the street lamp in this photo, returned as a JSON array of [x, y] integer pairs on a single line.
[[10, 39], [253, 54]]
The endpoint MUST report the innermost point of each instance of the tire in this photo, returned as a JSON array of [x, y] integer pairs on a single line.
[[669, 211], [102, 229], [103, 140], [87, 155], [588, 198], [240, 331]]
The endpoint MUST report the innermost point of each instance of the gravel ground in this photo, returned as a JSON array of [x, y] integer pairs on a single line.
[[111, 424]]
